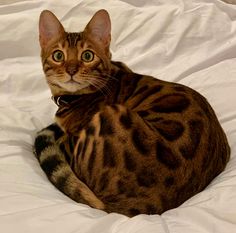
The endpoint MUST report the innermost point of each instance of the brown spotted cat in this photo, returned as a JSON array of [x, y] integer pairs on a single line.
[[122, 142]]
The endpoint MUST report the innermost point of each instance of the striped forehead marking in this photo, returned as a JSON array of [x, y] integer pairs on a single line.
[[73, 38]]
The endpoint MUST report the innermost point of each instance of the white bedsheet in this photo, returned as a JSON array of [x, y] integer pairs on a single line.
[[188, 41]]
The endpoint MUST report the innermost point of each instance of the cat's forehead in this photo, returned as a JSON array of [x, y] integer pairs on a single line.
[[73, 38]]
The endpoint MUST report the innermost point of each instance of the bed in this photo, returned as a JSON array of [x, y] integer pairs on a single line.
[[192, 42]]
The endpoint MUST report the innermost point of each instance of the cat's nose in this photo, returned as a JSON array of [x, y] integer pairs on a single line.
[[72, 69]]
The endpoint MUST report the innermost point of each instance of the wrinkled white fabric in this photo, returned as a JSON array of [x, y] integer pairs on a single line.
[[187, 41]]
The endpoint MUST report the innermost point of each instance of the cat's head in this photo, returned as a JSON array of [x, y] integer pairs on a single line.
[[75, 63]]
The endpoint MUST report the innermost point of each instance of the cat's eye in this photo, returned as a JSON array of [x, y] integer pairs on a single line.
[[58, 56], [87, 56]]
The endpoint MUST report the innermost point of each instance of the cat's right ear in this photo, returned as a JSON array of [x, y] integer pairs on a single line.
[[49, 28]]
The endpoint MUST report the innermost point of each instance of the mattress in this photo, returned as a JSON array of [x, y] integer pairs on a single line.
[[192, 42]]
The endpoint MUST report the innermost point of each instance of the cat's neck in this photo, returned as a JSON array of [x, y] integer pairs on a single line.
[[65, 100], [117, 66]]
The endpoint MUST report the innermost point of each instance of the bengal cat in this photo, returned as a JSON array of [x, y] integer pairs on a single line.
[[122, 142]]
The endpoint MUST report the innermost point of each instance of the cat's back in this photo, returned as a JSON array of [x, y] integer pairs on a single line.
[[184, 122]]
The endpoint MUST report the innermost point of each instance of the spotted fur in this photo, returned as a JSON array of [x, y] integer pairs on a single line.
[[122, 142]]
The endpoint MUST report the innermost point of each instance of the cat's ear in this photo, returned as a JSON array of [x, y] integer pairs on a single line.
[[49, 28], [99, 28]]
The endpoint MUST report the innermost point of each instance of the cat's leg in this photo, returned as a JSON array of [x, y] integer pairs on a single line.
[[54, 164]]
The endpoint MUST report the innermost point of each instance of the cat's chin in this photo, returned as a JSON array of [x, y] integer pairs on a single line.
[[72, 86]]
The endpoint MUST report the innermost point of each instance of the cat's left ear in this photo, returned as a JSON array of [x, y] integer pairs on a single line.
[[99, 28]]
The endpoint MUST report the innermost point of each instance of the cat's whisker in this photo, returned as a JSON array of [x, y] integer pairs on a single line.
[[96, 86], [104, 86], [101, 77], [101, 85], [99, 82]]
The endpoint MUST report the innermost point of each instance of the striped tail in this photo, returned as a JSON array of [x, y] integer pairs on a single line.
[[57, 169]]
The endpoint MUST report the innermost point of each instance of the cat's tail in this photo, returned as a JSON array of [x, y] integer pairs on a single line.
[[57, 169]]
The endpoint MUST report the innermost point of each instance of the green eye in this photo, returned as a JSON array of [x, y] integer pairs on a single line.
[[58, 56], [87, 56]]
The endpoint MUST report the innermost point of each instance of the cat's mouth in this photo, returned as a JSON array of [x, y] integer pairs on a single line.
[[72, 82], [73, 86]]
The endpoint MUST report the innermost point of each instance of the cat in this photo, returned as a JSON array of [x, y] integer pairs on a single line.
[[122, 142]]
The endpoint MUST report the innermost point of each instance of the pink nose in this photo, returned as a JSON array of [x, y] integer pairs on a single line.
[[72, 69]]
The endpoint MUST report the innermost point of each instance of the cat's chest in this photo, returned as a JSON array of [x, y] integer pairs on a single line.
[[75, 117]]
